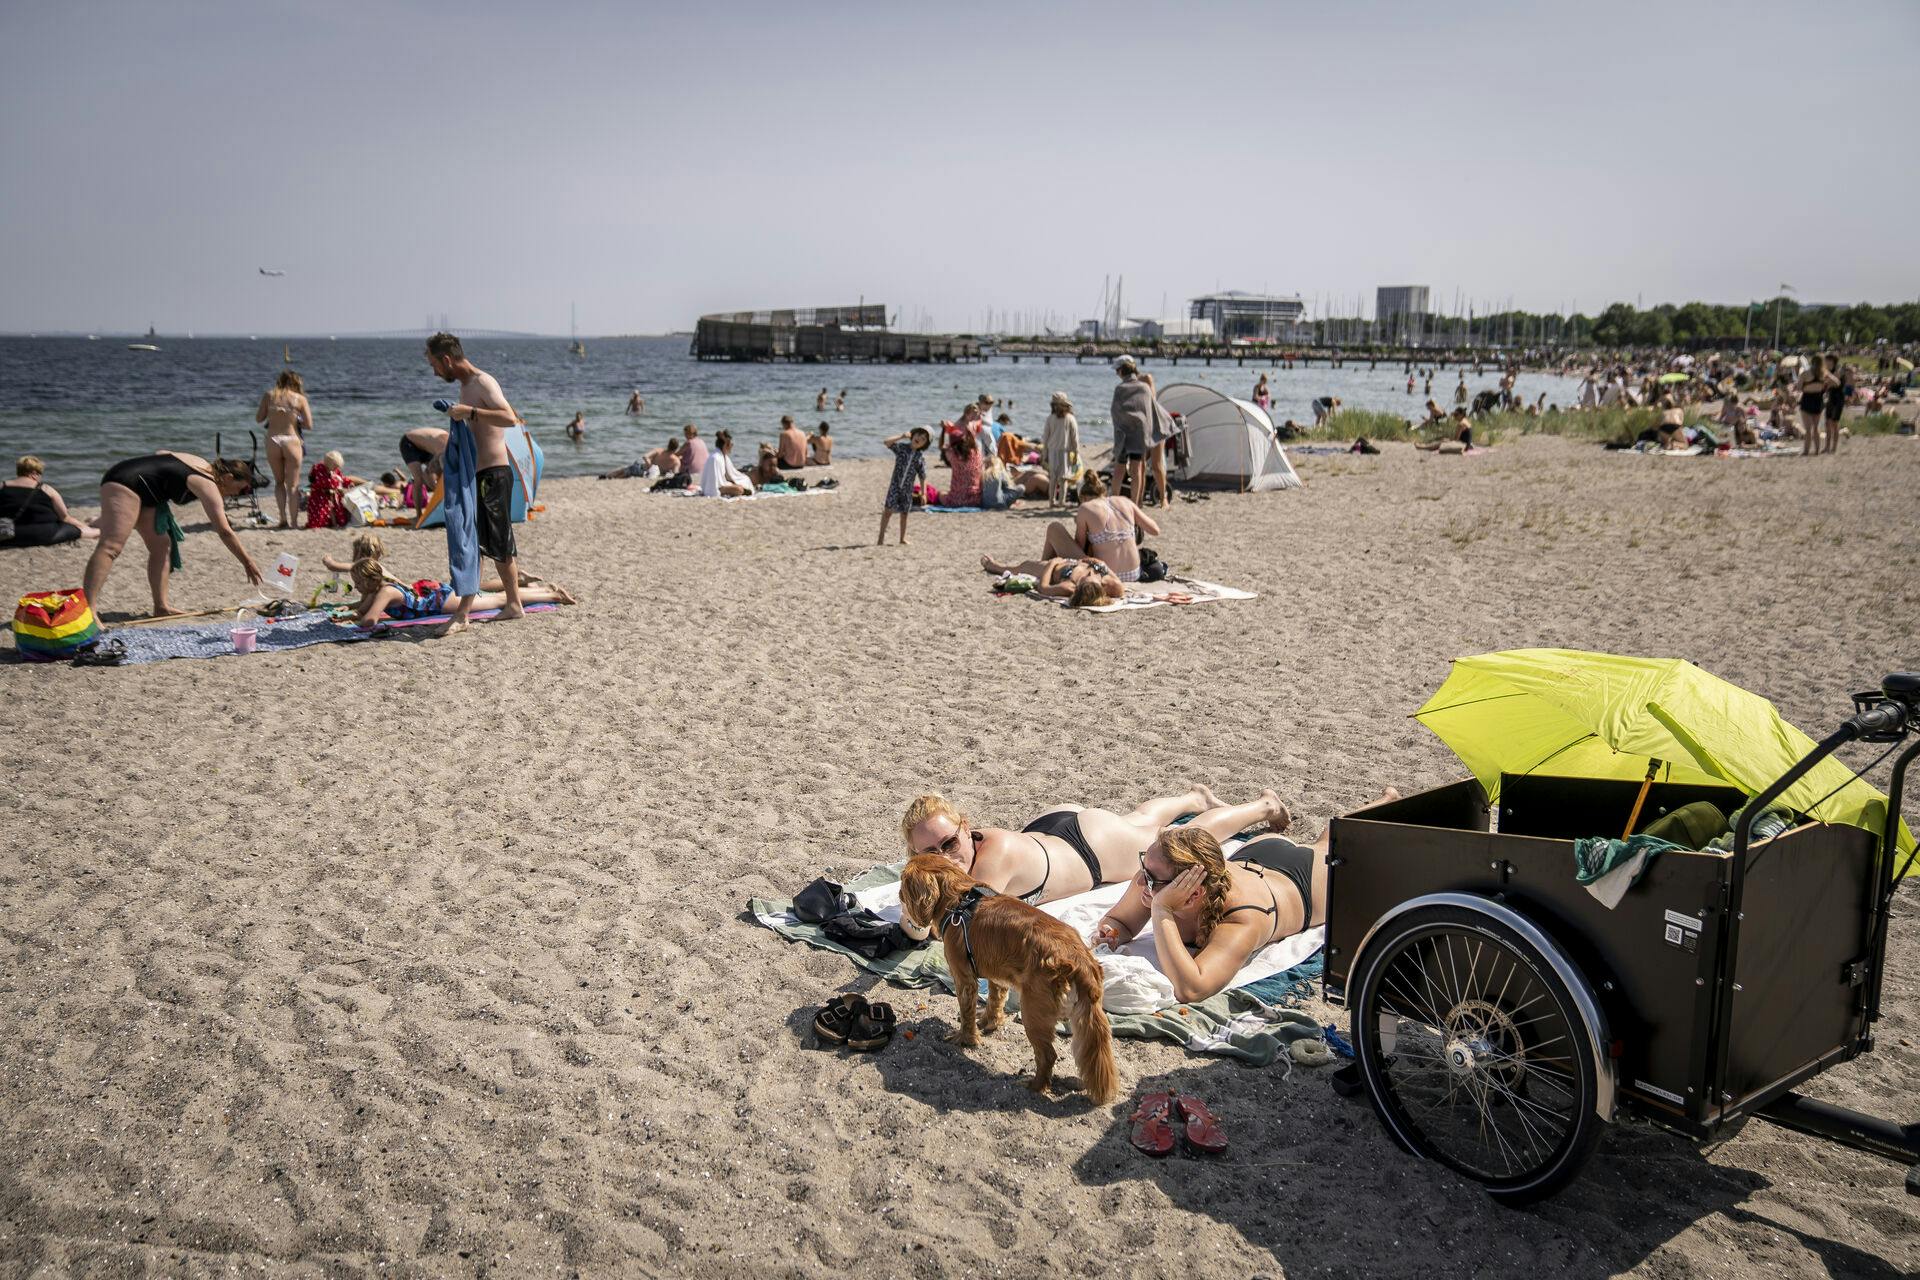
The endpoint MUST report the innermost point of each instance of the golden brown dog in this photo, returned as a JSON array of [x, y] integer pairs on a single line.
[[1012, 944]]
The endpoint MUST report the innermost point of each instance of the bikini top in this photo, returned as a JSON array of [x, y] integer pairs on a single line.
[[1273, 910], [1108, 533]]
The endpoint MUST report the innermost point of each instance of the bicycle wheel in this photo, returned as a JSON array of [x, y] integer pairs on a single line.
[[1474, 1051]]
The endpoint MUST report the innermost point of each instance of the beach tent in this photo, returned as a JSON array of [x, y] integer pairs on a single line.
[[523, 451], [1230, 443]]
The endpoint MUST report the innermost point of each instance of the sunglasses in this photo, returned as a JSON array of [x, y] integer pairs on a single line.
[[945, 847], [1154, 882]]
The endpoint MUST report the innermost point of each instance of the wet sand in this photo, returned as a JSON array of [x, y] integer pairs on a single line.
[[426, 956]]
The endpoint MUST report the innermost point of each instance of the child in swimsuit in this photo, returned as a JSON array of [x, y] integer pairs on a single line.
[[384, 596]]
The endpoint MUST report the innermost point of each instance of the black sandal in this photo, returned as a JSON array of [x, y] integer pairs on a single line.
[[872, 1028], [837, 1017]]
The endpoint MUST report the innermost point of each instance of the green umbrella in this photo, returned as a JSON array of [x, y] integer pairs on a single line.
[[1565, 713], [1675, 377]]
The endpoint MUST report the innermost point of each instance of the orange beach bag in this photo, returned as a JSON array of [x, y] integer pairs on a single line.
[[52, 626]]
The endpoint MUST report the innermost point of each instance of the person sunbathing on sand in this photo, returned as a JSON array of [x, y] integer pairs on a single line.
[[1080, 582], [1210, 913], [1068, 849], [384, 596]]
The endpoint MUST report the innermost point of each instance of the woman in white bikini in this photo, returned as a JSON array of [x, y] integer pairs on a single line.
[[288, 414], [1104, 528]]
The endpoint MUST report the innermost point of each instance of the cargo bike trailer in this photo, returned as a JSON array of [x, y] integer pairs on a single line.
[[1501, 1015]]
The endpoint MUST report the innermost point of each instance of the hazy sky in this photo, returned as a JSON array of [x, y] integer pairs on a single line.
[[494, 162]]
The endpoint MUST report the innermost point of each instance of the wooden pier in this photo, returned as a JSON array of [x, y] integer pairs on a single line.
[[824, 335]]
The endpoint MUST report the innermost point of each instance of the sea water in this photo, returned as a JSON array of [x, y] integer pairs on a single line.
[[83, 405]]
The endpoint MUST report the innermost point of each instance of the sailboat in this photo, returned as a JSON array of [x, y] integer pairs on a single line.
[[286, 353], [578, 348], [148, 345]]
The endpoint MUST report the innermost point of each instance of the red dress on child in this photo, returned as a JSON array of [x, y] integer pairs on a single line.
[[324, 508]]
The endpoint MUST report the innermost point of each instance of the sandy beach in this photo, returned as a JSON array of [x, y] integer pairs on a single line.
[[427, 956]]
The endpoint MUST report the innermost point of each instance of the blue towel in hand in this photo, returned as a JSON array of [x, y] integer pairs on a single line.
[[460, 466]]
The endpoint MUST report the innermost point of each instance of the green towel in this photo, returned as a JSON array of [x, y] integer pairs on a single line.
[[163, 522], [1233, 1024]]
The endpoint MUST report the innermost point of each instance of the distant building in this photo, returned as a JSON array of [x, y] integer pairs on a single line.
[[1266, 317], [1175, 327], [1400, 312]]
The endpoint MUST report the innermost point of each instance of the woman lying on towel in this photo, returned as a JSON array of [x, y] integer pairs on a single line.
[[1066, 850], [1080, 582], [384, 596], [1210, 913]]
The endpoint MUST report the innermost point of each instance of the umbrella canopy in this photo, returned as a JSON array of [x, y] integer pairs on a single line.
[[1674, 377], [1904, 363], [1594, 715], [1792, 362]]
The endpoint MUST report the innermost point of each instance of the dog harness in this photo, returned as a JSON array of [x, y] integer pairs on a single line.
[[962, 915]]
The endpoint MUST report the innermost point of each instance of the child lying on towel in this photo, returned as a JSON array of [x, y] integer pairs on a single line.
[[384, 596]]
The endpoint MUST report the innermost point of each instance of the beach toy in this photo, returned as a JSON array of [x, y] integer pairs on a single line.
[[284, 569], [246, 630]]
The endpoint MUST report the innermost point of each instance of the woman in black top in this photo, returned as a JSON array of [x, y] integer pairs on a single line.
[[136, 496], [1839, 391], [38, 513], [1813, 398]]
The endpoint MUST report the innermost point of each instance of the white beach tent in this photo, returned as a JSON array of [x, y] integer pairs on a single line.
[[1230, 443]]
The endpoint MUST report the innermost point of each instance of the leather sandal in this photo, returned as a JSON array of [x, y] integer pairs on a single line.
[[872, 1027], [837, 1017]]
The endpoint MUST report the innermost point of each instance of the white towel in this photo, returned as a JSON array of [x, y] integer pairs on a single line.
[[1134, 980]]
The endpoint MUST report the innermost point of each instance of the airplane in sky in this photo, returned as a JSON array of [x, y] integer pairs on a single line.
[[265, 272]]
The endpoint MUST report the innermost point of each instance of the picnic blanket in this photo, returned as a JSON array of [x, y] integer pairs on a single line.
[[1242, 1022], [214, 638], [1152, 595]]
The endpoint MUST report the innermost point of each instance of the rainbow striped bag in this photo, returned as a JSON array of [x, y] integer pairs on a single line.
[[53, 626]]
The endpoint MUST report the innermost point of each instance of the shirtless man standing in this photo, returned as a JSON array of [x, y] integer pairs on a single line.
[[486, 412], [1066, 850]]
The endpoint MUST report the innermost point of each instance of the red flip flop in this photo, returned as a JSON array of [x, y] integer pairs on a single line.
[[1153, 1124], [1202, 1132]]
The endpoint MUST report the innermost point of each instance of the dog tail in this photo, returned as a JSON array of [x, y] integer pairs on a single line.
[[1092, 1037]]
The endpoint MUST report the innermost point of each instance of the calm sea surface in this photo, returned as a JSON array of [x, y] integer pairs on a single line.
[[84, 405]]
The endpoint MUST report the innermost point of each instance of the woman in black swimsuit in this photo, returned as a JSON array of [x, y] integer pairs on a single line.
[[137, 496], [1066, 850], [1813, 398], [1839, 391], [1210, 913], [38, 513]]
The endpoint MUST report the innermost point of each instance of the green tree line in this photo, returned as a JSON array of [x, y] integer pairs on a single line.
[[1622, 325]]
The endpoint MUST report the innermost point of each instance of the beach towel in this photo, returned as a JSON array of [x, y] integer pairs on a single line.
[[772, 491], [1153, 595], [214, 638], [436, 619], [461, 508], [1247, 1021]]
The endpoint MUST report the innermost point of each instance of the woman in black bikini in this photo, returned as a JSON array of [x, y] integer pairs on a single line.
[[136, 496], [1210, 913], [38, 513], [1813, 399], [1066, 850]]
